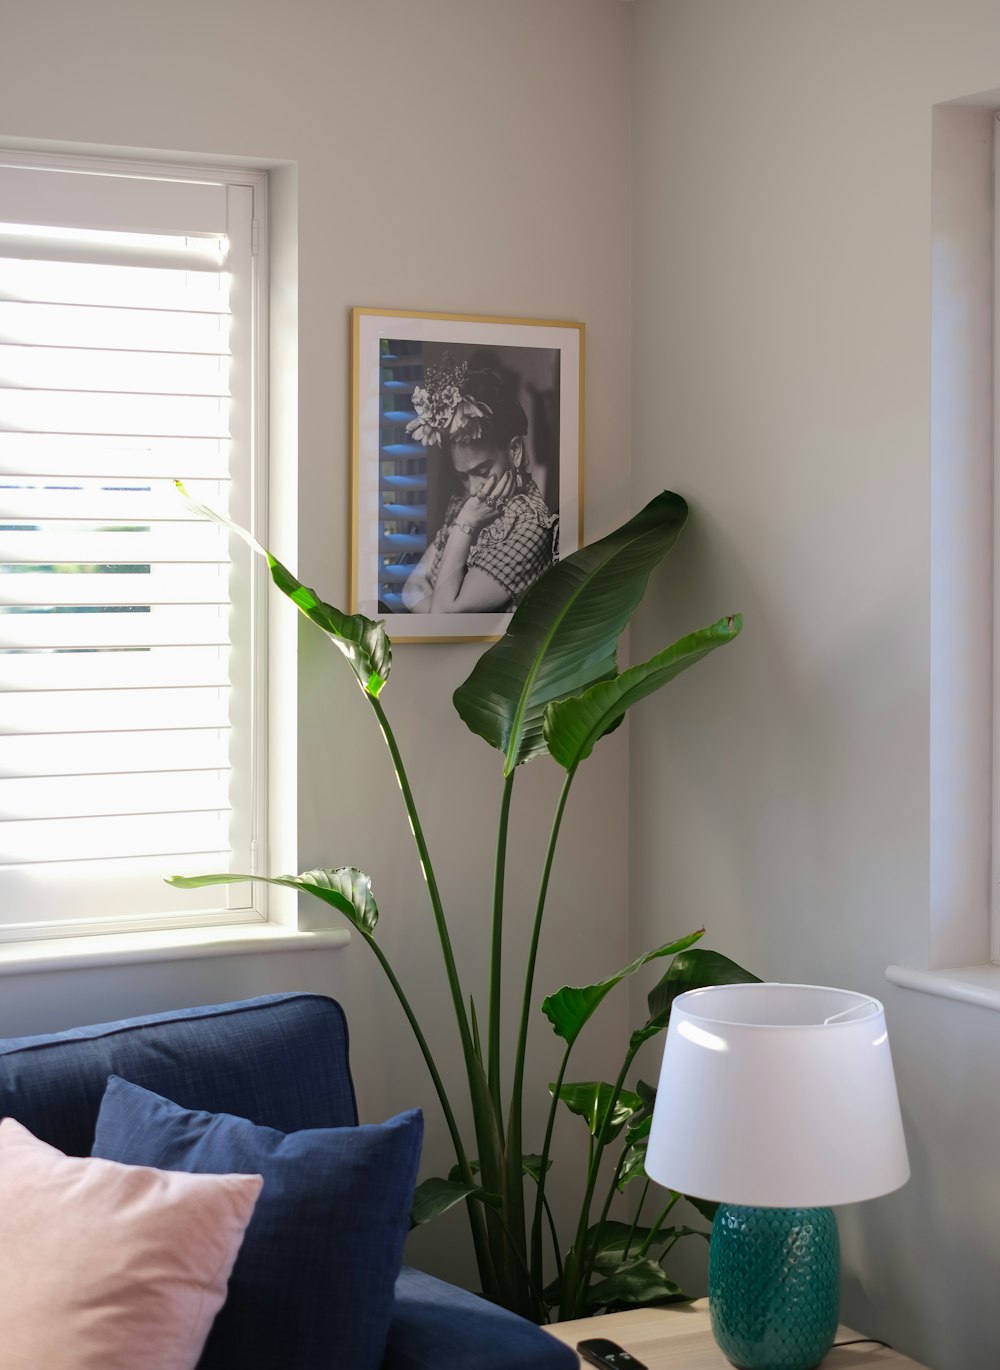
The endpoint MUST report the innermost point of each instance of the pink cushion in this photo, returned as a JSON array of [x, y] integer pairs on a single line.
[[106, 1266]]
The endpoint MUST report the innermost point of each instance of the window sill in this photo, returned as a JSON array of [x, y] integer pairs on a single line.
[[978, 985], [83, 953]]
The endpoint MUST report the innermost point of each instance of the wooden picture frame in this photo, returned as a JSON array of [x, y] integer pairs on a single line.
[[434, 398]]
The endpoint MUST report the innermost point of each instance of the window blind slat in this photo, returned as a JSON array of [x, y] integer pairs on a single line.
[[122, 669], [67, 542], [77, 839], [107, 369], [162, 584], [110, 502], [73, 454], [44, 282], [155, 625], [109, 202], [119, 249], [87, 754], [58, 411], [150, 330], [105, 710], [90, 796]]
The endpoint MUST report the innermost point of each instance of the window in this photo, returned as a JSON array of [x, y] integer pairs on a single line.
[[953, 955], [131, 649]]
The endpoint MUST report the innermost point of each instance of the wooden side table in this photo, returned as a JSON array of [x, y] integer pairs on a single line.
[[681, 1338]]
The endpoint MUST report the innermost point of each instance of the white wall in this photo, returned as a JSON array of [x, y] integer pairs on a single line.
[[781, 380], [456, 155]]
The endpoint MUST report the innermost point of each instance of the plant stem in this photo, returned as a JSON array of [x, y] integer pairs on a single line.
[[555, 1238], [536, 1223], [577, 1265], [496, 947], [635, 1220], [529, 975], [514, 1190], [428, 1058], [486, 1118], [429, 878], [533, 947], [612, 1189], [475, 1214], [657, 1225]]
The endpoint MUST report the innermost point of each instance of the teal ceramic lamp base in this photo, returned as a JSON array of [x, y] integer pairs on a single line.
[[774, 1285]]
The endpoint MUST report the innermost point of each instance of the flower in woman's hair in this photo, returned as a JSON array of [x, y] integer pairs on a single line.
[[443, 405]]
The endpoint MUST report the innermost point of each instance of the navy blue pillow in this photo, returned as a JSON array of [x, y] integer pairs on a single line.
[[313, 1285]]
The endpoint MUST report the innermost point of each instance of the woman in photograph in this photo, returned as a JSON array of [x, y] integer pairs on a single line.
[[498, 534]]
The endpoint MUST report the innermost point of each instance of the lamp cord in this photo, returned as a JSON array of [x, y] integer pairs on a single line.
[[864, 1341]]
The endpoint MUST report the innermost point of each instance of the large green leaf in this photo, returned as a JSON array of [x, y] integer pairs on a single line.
[[606, 1242], [363, 641], [706, 1207], [591, 1100], [634, 1166], [688, 970], [564, 635], [346, 889], [531, 1164], [433, 1197], [693, 970], [573, 726], [570, 1007], [637, 1284]]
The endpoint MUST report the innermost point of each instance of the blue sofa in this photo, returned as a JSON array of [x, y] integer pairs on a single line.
[[281, 1061]]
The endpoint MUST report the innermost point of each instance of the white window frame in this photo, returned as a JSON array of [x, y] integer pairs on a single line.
[[953, 954], [248, 903]]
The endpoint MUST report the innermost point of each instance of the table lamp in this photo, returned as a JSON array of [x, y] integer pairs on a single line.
[[778, 1101]]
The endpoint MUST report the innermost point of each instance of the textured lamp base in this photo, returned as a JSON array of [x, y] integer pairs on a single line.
[[774, 1285]]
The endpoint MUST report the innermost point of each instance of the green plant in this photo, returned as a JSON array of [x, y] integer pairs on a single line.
[[551, 684]]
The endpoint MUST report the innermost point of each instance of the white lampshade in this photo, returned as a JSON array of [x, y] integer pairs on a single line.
[[777, 1096]]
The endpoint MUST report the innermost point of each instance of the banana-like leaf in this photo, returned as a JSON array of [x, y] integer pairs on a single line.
[[564, 635], [346, 889], [591, 1100], [706, 1207], [363, 641], [637, 1284], [693, 970], [607, 1241], [634, 1167], [433, 1197], [573, 726], [570, 1007], [531, 1164]]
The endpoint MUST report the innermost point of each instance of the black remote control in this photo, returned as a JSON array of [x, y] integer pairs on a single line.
[[607, 1354]]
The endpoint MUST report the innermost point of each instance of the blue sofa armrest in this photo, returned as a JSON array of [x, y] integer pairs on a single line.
[[436, 1326]]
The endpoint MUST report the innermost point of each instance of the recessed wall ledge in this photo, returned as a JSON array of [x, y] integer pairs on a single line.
[[979, 985], [180, 944]]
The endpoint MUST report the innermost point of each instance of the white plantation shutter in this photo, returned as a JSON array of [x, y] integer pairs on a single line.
[[130, 703]]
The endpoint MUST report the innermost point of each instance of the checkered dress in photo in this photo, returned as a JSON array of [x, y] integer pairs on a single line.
[[514, 549]]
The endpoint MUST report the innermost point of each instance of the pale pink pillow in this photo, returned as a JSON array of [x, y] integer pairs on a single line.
[[106, 1266]]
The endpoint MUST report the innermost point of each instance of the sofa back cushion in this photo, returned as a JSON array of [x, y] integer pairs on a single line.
[[280, 1060]]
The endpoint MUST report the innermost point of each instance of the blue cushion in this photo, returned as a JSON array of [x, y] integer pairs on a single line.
[[438, 1327], [313, 1284], [280, 1060]]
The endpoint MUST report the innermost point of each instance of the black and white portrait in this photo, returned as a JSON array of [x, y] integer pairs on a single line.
[[470, 459]]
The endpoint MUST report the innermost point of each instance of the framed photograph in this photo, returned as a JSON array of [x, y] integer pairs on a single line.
[[468, 467]]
